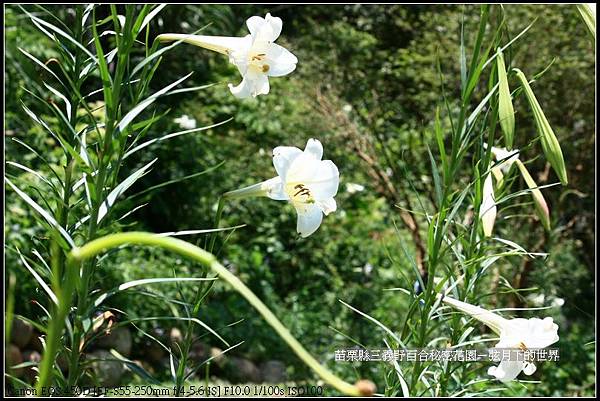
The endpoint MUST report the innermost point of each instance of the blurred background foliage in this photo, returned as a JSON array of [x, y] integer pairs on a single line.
[[367, 85]]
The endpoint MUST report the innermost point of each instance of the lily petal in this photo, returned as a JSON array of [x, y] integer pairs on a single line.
[[261, 85], [529, 368], [534, 332], [505, 157], [265, 29], [328, 206], [324, 184], [243, 90], [506, 370], [321, 177], [310, 217], [283, 157], [281, 61], [251, 85], [303, 169], [254, 24], [279, 70], [276, 25], [314, 148]]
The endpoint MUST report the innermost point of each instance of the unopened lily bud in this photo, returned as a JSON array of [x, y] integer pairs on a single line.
[[550, 144], [541, 207], [506, 113], [487, 210]]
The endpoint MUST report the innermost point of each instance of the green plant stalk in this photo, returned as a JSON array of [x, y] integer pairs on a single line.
[[64, 295], [95, 247], [189, 335], [58, 256], [437, 223], [214, 235], [252, 190], [104, 157]]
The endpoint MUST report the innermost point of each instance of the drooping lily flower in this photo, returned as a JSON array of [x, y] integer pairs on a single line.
[[256, 55], [304, 180], [516, 333], [506, 159]]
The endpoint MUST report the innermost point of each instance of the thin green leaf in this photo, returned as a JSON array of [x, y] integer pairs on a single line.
[[135, 368], [37, 21], [173, 135], [176, 180], [147, 102], [149, 18], [122, 187], [38, 62], [47, 216], [377, 322], [194, 232], [102, 63], [158, 53], [135, 283], [38, 278]]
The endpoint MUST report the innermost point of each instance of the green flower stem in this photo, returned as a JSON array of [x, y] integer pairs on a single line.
[[213, 237], [246, 192], [99, 245], [64, 295]]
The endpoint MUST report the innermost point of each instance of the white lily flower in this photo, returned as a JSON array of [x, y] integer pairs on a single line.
[[516, 333], [506, 159], [304, 180], [256, 55]]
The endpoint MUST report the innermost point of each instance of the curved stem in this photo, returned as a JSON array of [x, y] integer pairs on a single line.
[[99, 245]]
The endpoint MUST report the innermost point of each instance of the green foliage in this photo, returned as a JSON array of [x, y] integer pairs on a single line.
[[384, 88]]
